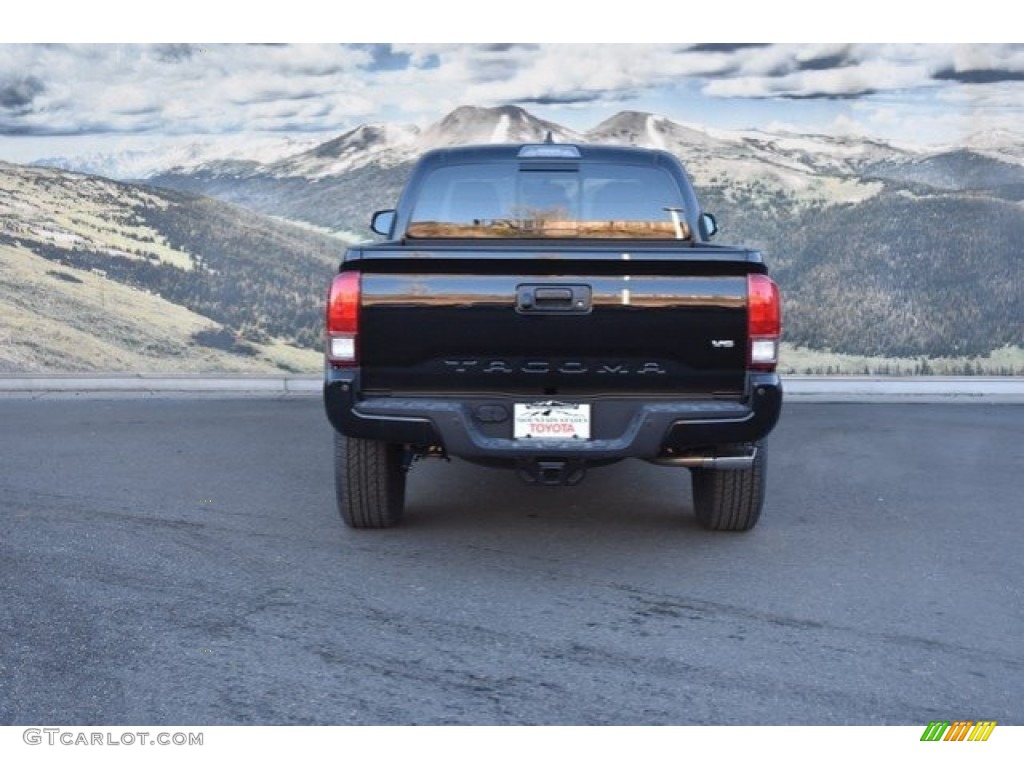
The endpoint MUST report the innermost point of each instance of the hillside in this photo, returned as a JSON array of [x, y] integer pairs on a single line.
[[100, 275], [908, 276], [880, 250]]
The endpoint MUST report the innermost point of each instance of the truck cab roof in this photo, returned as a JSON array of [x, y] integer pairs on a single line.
[[548, 153]]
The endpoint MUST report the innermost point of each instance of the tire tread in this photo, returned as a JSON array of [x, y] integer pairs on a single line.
[[369, 482], [730, 500]]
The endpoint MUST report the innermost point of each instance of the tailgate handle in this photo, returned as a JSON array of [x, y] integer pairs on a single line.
[[553, 298], [553, 295]]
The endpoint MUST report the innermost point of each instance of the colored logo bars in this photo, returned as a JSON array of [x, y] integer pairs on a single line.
[[961, 730]]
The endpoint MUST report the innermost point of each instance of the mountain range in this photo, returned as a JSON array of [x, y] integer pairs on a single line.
[[880, 249], [704, 148]]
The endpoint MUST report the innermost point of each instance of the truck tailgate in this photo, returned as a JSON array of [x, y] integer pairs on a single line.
[[432, 327]]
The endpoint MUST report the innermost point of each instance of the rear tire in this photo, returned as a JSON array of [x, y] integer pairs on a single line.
[[369, 482], [730, 499]]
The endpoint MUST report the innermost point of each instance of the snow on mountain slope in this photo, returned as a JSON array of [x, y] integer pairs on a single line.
[[1000, 144], [380, 143], [706, 151], [643, 129], [188, 156], [738, 157], [479, 125], [367, 165], [387, 145]]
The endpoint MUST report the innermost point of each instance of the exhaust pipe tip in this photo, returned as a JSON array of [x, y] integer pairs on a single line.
[[709, 460]]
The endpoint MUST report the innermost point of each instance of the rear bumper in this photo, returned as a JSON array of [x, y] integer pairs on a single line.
[[479, 427]]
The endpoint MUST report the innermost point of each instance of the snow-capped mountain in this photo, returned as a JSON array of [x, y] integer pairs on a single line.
[[496, 125], [644, 129], [388, 145], [999, 143], [818, 153], [374, 143], [958, 169], [209, 154], [365, 167], [786, 156], [810, 167]]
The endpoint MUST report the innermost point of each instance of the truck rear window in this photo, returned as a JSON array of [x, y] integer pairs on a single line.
[[509, 200]]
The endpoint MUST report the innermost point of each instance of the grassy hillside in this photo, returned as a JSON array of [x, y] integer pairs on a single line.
[[67, 319], [340, 204], [98, 275], [899, 275]]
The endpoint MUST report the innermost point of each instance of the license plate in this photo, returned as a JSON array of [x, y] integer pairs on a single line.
[[551, 421]]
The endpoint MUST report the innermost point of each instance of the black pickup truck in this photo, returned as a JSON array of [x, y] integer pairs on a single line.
[[550, 308]]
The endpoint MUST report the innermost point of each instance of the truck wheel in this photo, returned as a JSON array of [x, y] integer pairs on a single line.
[[730, 499], [369, 482]]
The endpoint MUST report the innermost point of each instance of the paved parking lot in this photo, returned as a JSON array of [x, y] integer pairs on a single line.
[[180, 561]]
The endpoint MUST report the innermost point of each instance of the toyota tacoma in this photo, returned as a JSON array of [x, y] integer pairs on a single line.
[[549, 308]]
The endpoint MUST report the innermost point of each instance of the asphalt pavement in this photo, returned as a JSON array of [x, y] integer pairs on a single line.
[[180, 561]]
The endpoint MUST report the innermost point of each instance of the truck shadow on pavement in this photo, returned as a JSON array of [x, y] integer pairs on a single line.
[[628, 494]]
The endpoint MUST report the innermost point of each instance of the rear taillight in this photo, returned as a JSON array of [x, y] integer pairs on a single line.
[[343, 319], [764, 323]]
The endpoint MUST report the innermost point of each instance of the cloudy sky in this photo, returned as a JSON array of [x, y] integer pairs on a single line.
[[79, 98]]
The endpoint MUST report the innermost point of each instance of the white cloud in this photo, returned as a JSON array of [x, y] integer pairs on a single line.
[[975, 57], [210, 89], [190, 88]]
